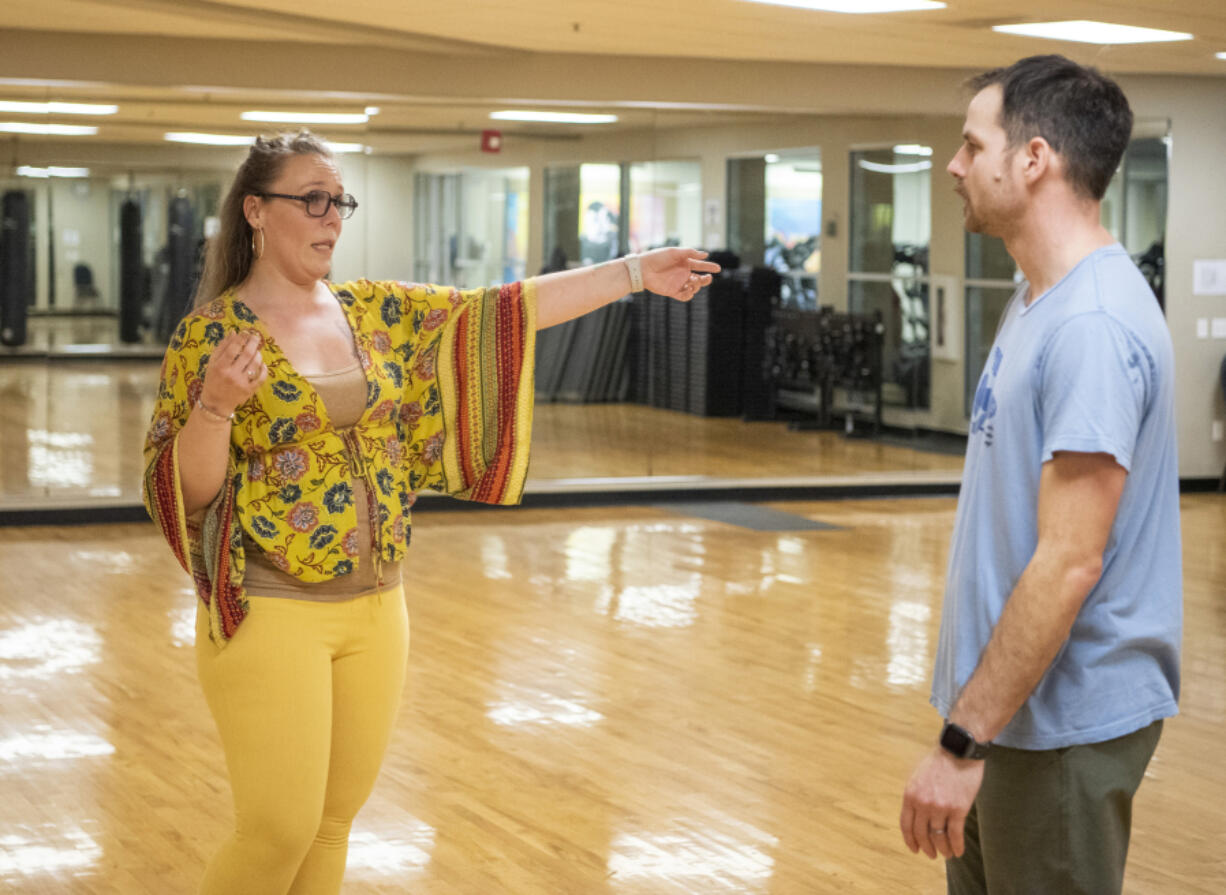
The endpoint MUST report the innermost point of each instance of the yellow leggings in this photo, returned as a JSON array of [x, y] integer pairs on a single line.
[[304, 696]]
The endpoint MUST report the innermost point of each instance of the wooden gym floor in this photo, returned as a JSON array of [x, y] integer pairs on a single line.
[[630, 701]]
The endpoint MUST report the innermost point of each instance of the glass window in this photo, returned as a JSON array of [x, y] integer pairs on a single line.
[[584, 204], [1134, 208], [665, 205], [775, 218], [583, 221], [600, 204], [888, 266], [471, 226], [984, 306], [561, 217], [794, 224], [746, 184], [990, 281]]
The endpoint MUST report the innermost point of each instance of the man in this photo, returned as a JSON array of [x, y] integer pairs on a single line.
[[1059, 648]]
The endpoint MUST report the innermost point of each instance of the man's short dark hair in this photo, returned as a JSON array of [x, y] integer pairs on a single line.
[[1080, 112]]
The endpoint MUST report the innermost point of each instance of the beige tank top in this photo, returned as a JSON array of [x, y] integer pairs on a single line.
[[343, 393]]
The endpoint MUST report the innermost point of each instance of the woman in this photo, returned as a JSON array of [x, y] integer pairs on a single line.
[[295, 421]]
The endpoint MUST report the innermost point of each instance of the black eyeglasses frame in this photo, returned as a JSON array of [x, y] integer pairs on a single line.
[[345, 204]]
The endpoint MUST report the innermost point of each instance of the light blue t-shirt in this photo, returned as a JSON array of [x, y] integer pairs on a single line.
[[1087, 367]]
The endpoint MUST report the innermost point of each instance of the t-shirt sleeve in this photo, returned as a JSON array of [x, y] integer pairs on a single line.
[[468, 397], [1094, 381]]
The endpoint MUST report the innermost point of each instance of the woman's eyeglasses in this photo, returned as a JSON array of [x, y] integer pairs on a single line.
[[317, 202]]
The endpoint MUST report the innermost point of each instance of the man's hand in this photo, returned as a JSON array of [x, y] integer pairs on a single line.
[[936, 801]]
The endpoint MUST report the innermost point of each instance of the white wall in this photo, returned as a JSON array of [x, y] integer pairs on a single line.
[[80, 214], [377, 241]]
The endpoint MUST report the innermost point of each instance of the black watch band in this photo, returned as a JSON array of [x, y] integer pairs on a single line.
[[959, 742]]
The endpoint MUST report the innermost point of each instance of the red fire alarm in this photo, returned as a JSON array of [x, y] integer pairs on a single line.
[[491, 141]]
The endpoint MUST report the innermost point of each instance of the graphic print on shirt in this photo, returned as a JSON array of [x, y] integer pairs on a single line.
[[984, 409]]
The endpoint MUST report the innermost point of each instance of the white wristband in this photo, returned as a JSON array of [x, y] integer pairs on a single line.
[[635, 269]]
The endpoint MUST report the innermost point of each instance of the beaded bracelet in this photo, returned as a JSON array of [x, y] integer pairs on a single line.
[[200, 405]]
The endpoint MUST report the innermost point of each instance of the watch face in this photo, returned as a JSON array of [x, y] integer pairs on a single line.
[[956, 740]]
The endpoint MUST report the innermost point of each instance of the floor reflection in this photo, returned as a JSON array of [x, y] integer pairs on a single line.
[[523, 707], [44, 745], [47, 647], [49, 850], [702, 860], [907, 643], [389, 851], [60, 459], [654, 605]]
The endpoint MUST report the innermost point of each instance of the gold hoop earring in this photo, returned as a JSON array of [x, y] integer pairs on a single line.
[[257, 254]]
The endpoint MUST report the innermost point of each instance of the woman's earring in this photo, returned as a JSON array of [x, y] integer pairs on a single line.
[[257, 253]]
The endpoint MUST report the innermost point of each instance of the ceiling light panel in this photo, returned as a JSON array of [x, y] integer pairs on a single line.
[[47, 130], [209, 139], [553, 117], [53, 171], [307, 117], [857, 6], [24, 108], [1083, 31]]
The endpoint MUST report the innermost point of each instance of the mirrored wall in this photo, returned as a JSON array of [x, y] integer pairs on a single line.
[[888, 273], [738, 386]]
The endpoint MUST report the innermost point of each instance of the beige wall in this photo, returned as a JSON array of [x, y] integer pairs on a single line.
[[378, 239], [1196, 229]]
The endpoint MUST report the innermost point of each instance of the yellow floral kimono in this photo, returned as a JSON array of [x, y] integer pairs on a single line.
[[448, 407]]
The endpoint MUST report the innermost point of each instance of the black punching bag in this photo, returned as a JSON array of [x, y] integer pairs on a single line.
[[131, 273], [181, 262], [15, 280]]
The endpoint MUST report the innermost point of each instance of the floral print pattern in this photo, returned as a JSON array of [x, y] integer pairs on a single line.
[[292, 471]]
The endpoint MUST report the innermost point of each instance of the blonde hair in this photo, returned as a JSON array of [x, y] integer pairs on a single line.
[[229, 257]]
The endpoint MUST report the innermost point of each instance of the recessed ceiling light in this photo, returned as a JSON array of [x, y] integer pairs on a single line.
[[553, 117], [1088, 32], [58, 130], [857, 6], [209, 139], [1220, 55], [373, 110], [912, 149], [904, 168], [53, 171], [771, 158], [346, 147], [307, 117], [25, 108]]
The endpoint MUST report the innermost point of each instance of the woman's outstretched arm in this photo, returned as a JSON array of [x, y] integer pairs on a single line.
[[676, 273]]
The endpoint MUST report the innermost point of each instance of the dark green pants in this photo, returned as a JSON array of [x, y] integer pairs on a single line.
[[1054, 822]]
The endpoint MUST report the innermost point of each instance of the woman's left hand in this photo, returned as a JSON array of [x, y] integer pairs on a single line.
[[677, 273]]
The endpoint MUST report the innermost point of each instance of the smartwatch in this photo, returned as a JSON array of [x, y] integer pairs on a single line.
[[959, 743]]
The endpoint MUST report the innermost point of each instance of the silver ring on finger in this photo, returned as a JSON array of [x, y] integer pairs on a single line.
[[937, 832], [250, 373]]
